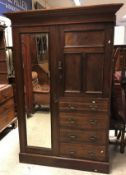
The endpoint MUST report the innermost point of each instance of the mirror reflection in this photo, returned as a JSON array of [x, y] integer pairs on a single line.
[[37, 88]]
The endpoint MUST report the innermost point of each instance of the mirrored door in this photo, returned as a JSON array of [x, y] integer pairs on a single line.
[[35, 55]]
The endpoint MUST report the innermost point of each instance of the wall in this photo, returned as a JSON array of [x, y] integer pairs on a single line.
[[125, 36], [42, 2], [120, 35], [10, 6], [14, 5]]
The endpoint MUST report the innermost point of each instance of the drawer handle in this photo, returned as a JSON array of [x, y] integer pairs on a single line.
[[93, 107], [72, 121], [72, 137], [72, 107], [93, 122], [92, 155], [72, 153], [93, 139]]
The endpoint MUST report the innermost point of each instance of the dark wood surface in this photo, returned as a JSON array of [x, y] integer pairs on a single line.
[[99, 13], [7, 109], [80, 61]]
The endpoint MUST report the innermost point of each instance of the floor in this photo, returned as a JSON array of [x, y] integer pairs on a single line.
[[9, 163], [35, 132]]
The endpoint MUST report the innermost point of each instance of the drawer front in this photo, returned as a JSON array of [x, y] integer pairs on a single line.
[[3, 78], [89, 137], [84, 121], [7, 113], [87, 105], [3, 66], [5, 106], [5, 93], [2, 55], [89, 152]]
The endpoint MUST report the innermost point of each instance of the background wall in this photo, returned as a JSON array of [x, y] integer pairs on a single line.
[[10, 6], [14, 5], [120, 35], [44, 3]]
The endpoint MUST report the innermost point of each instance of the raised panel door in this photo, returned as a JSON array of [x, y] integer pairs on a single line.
[[83, 63]]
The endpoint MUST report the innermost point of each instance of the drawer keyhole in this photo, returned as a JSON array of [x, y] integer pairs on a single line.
[[72, 121]]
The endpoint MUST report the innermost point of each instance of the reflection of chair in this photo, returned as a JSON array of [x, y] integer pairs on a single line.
[[118, 118], [41, 92]]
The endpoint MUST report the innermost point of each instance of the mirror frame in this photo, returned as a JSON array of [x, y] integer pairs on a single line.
[[24, 147]]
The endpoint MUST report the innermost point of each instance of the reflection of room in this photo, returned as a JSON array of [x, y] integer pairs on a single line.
[[37, 89], [40, 71], [35, 46]]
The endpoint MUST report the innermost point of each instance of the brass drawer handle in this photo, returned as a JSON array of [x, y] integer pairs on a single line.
[[92, 155], [93, 139], [72, 137], [72, 153], [71, 107], [72, 121], [93, 107], [93, 122]]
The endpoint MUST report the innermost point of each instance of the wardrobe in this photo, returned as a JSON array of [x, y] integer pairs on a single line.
[[79, 45]]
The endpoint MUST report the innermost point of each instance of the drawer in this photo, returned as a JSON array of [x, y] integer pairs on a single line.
[[88, 104], [3, 78], [90, 137], [3, 66], [7, 113], [89, 152], [2, 55], [6, 105], [84, 121], [6, 92]]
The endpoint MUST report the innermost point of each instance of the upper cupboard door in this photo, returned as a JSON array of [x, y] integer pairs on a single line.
[[84, 65]]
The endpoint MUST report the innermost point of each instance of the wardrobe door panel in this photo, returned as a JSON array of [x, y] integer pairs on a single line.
[[72, 75], [83, 60], [93, 75], [84, 38]]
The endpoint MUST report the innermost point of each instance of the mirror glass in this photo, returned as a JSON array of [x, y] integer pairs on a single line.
[[35, 55]]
